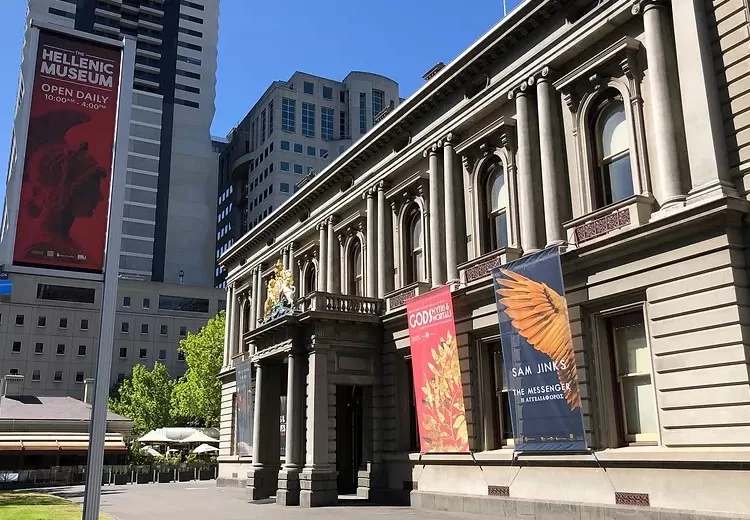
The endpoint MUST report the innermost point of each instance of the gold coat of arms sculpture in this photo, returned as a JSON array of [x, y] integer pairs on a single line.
[[280, 294]]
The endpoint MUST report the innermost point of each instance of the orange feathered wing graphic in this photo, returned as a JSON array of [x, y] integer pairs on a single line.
[[541, 317]]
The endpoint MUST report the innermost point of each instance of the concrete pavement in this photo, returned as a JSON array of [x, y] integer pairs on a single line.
[[204, 501]]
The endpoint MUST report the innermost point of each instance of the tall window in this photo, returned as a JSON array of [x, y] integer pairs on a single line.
[[362, 113], [378, 103], [308, 119], [310, 279], [263, 125], [288, 108], [270, 117], [415, 267], [343, 125], [614, 180], [632, 367], [356, 271], [497, 390], [326, 123], [496, 190]]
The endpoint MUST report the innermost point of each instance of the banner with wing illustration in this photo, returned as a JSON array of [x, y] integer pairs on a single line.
[[540, 365], [437, 375]]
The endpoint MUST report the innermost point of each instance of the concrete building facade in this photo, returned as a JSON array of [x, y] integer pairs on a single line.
[[49, 329], [171, 174], [616, 128], [295, 130]]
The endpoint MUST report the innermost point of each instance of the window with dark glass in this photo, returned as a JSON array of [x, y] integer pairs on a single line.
[[310, 281], [163, 330], [183, 331], [415, 266], [64, 293], [61, 349], [184, 304], [180, 356], [162, 354], [614, 178], [144, 328], [63, 323], [39, 348], [123, 352], [496, 207], [41, 321], [19, 319], [499, 397], [142, 353], [125, 327], [147, 303], [356, 270], [58, 377], [16, 347], [81, 350], [84, 324]]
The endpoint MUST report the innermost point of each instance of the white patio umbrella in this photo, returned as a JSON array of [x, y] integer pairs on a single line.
[[205, 448], [199, 436], [151, 451]]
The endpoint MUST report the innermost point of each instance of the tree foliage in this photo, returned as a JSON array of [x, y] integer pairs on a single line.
[[197, 394], [145, 397]]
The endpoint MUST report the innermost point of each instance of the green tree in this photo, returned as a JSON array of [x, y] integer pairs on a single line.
[[197, 394], [145, 397]]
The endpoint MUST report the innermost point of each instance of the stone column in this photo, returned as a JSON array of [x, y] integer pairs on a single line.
[[293, 268], [318, 479], [385, 243], [436, 217], [241, 327], [526, 202], [289, 490], [451, 209], [332, 259], [259, 297], [253, 298], [234, 323], [285, 257], [300, 281], [701, 106], [227, 328], [262, 477], [322, 257], [657, 28], [371, 253], [551, 156]]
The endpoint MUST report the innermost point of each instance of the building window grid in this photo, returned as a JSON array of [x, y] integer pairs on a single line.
[[270, 118], [288, 108], [326, 123], [308, 119], [362, 113], [263, 126], [378, 103]]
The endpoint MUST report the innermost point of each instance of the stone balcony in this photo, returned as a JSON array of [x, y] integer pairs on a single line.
[[347, 307], [609, 221]]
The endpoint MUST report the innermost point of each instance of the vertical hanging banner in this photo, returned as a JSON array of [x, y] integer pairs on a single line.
[[64, 203], [437, 375], [244, 409], [540, 365]]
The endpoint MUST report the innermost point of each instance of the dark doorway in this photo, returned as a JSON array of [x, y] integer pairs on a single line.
[[349, 436]]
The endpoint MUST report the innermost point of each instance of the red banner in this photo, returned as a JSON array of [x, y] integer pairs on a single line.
[[64, 203], [437, 374]]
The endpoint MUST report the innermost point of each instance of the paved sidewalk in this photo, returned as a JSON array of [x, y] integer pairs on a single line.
[[204, 501]]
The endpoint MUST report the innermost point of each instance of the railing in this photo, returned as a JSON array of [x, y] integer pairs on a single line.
[[397, 299], [325, 302], [115, 475], [481, 267]]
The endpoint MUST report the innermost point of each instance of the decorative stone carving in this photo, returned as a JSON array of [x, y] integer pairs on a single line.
[[602, 226], [280, 299]]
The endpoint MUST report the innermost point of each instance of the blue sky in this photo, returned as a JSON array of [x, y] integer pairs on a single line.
[[260, 42]]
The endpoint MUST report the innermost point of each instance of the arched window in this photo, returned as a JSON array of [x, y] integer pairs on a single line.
[[496, 207], [356, 270], [309, 284], [614, 180], [415, 264]]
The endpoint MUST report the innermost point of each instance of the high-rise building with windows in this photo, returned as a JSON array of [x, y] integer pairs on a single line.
[[295, 129], [49, 325], [168, 215]]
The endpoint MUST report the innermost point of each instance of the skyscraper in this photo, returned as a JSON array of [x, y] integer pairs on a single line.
[[169, 213], [294, 130]]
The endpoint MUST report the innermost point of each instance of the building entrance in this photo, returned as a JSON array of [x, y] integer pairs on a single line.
[[349, 436]]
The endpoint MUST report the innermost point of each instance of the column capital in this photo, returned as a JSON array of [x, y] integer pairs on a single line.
[[369, 192], [641, 6], [382, 185], [522, 90], [546, 74], [431, 150], [451, 139]]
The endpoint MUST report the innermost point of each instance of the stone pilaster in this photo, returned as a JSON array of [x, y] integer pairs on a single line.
[[227, 325], [662, 86], [453, 203], [262, 477], [526, 153], [371, 248], [322, 277], [318, 478], [234, 324], [385, 244], [550, 148], [333, 284], [241, 326], [259, 295], [437, 263]]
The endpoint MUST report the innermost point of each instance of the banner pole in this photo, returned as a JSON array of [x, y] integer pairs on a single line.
[[98, 423]]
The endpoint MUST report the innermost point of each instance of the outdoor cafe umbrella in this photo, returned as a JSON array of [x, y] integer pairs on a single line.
[[205, 448], [197, 437], [151, 451]]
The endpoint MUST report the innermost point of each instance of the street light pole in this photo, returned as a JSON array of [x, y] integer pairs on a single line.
[[98, 422]]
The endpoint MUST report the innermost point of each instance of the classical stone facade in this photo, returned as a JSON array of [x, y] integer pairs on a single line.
[[593, 126]]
